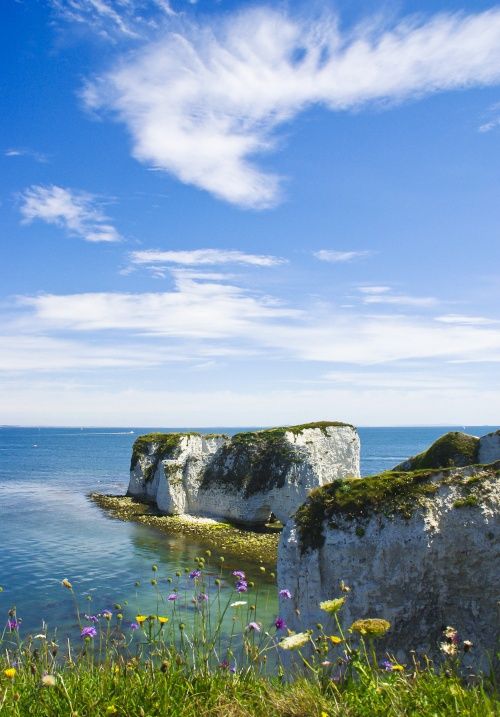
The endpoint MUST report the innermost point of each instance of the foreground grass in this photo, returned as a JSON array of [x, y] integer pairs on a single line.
[[141, 691]]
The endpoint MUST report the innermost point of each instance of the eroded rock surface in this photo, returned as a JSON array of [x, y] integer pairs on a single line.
[[243, 478], [420, 549]]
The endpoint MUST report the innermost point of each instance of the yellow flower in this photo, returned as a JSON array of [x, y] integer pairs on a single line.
[[373, 627], [66, 583], [111, 710], [324, 714], [398, 668], [10, 672], [140, 619], [162, 619], [332, 605], [336, 639]]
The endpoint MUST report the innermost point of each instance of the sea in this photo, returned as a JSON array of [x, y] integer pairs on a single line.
[[50, 530]]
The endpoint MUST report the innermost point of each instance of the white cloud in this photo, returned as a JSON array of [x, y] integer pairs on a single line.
[[25, 152], [202, 102], [466, 320], [77, 212], [382, 295], [335, 257], [196, 257]]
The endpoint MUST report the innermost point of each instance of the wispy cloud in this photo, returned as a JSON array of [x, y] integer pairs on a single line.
[[201, 103], [114, 18], [200, 257], [26, 152], [340, 257], [465, 320], [494, 119], [383, 295], [78, 213]]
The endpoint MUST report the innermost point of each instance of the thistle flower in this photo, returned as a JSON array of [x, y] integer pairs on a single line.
[[332, 606], [134, 626], [13, 624], [92, 618], [280, 623], [88, 632], [239, 574], [294, 642], [373, 627], [49, 680], [202, 597], [241, 586], [172, 597], [285, 594], [253, 626], [194, 574]]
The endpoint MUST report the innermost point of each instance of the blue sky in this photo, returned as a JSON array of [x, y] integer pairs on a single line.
[[229, 213]]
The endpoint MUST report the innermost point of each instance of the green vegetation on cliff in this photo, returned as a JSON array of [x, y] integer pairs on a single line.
[[452, 449], [389, 494]]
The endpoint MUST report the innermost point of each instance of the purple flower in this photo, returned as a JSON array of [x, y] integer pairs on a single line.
[[194, 574], [285, 594], [232, 669], [280, 623], [239, 574], [172, 596], [13, 624], [386, 665], [134, 626], [224, 665], [202, 597], [107, 614], [241, 586], [88, 632], [92, 618], [253, 626]]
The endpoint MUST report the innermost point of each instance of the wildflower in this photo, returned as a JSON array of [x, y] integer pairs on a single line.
[[49, 680], [66, 583], [10, 673], [280, 623], [194, 574], [324, 714], [239, 574], [285, 594], [140, 619], [397, 667], [332, 606], [238, 603], [326, 663], [224, 665], [202, 597], [40, 637], [162, 619], [449, 649], [111, 710], [92, 618], [134, 626], [294, 642], [13, 624], [241, 586], [88, 632], [386, 665], [107, 614], [172, 596], [253, 626], [335, 639], [344, 588], [451, 635], [467, 645], [373, 627]]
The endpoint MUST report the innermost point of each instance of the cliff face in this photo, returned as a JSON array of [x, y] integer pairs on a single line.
[[419, 549], [456, 449], [244, 478]]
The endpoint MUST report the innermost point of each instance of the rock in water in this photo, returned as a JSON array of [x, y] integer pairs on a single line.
[[243, 478], [420, 549]]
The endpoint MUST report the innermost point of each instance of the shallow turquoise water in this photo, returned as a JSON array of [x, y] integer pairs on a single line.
[[49, 529]]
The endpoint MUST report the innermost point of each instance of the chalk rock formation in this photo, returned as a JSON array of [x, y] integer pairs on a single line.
[[456, 449], [243, 478], [420, 549]]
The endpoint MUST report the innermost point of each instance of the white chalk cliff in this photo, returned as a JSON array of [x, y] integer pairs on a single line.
[[243, 478], [420, 549]]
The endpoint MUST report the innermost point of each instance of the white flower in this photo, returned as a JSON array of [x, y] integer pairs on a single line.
[[294, 642], [238, 603]]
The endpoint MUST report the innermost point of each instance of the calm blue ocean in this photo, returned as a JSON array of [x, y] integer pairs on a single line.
[[49, 529]]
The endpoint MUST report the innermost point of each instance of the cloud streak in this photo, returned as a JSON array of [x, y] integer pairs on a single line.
[[340, 257], [203, 102], [204, 257], [76, 212]]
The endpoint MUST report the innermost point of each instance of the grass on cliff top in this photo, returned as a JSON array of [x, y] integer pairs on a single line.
[[390, 493], [133, 691], [452, 449]]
